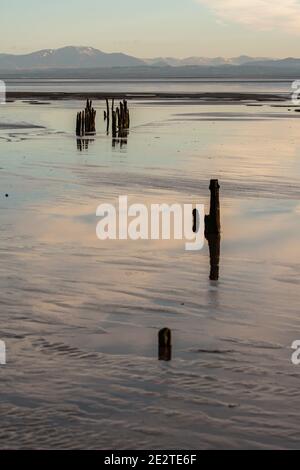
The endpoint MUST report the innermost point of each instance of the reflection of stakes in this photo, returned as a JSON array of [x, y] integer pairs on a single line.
[[165, 345], [122, 138], [83, 144], [214, 242], [195, 221]]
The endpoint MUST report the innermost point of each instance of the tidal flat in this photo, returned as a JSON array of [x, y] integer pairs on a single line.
[[80, 317]]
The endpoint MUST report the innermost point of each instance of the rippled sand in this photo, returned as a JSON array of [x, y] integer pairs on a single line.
[[80, 317]]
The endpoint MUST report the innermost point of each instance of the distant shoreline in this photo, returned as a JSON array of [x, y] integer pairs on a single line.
[[204, 97]]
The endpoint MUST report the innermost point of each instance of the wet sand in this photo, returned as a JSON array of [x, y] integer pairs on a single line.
[[213, 96], [17, 125], [80, 317]]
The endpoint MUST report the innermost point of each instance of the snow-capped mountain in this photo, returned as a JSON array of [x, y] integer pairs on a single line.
[[67, 57]]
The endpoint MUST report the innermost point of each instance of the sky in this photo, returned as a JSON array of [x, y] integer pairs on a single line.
[[154, 28]]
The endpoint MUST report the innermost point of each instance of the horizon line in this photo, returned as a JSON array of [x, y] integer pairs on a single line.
[[152, 57]]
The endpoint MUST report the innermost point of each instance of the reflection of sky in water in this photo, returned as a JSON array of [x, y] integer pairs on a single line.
[[80, 317], [151, 86]]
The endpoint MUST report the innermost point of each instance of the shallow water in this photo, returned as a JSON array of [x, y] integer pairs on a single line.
[[188, 85], [80, 317]]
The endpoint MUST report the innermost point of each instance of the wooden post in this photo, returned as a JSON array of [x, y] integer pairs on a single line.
[[165, 344], [83, 123], [77, 125], [80, 124], [127, 115], [118, 118], [86, 120], [121, 115], [213, 220], [213, 230], [128, 120], [107, 108], [107, 116], [90, 118]]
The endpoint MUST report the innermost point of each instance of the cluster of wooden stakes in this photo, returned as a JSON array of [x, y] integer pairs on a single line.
[[118, 117], [86, 120]]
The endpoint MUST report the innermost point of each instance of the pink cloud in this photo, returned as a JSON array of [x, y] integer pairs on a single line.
[[265, 15]]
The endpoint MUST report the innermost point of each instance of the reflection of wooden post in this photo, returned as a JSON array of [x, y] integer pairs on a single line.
[[195, 220], [118, 118], [114, 124], [213, 220], [79, 144], [165, 344], [214, 242]]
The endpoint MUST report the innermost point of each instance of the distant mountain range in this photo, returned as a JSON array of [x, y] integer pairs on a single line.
[[88, 57], [87, 62], [202, 61], [67, 57]]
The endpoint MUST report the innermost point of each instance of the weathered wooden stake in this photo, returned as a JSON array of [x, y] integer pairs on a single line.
[[107, 116], [126, 115], [121, 114], [86, 120], [107, 108], [212, 229], [78, 125], [213, 220], [165, 344], [118, 118]]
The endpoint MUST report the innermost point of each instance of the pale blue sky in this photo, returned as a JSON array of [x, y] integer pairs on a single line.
[[153, 28]]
